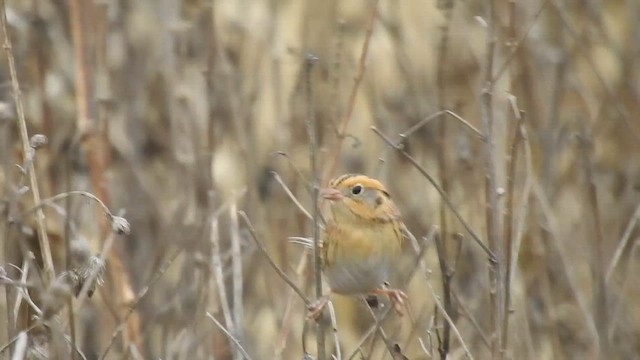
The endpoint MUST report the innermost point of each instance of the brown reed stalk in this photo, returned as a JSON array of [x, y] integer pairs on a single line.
[[94, 146], [43, 239], [334, 156], [443, 171]]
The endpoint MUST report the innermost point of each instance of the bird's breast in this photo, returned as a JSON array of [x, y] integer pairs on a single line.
[[359, 259]]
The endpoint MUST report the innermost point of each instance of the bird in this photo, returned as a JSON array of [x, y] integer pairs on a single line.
[[362, 241]]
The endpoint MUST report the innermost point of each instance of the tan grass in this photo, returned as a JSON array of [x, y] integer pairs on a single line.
[[188, 119]]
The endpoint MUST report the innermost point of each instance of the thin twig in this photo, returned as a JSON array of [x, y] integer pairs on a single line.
[[554, 244], [141, 294], [310, 60], [523, 208], [629, 277], [50, 201], [275, 267], [290, 195], [9, 282], [299, 270], [292, 165], [508, 221], [357, 79], [418, 264], [446, 276], [380, 331], [493, 209], [436, 115], [94, 144], [68, 258], [216, 264], [597, 246], [374, 328], [472, 320], [442, 247], [444, 196], [15, 338], [286, 317], [622, 244], [448, 318], [516, 46], [236, 267], [334, 327], [610, 97], [228, 334], [43, 239]]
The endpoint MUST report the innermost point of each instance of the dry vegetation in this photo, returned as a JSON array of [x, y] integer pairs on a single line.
[[510, 125]]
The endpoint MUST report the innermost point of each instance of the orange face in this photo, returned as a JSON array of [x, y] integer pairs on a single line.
[[359, 197]]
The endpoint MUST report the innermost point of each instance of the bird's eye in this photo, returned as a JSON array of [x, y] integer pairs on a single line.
[[356, 190]]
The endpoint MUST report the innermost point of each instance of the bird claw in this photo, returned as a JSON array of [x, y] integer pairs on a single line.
[[315, 309], [397, 298]]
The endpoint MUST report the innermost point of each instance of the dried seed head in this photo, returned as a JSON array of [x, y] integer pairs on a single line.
[[120, 225], [38, 140], [96, 266], [92, 270]]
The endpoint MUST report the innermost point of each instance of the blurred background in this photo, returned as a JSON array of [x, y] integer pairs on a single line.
[[178, 114]]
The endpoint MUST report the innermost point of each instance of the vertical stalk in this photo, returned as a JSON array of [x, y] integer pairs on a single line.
[[43, 240], [493, 215], [310, 60], [597, 249], [94, 145], [357, 79], [442, 240], [510, 194]]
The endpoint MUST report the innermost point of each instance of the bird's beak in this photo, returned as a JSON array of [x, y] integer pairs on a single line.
[[331, 194]]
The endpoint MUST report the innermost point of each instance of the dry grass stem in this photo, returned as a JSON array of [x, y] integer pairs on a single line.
[[141, 294], [600, 298], [622, 244], [275, 267], [310, 61], [334, 328], [330, 167], [204, 128], [236, 268], [291, 196], [444, 196], [448, 318], [493, 207], [43, 238], [428, 119], [218, 274], [235, 341]]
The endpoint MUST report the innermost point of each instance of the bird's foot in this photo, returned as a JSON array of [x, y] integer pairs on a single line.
[[396, 296], [314, 310]]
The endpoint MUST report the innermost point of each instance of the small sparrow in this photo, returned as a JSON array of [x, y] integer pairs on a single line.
[[362, 240]]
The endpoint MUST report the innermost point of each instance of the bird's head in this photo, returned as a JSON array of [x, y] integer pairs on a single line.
[[358, 197]]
